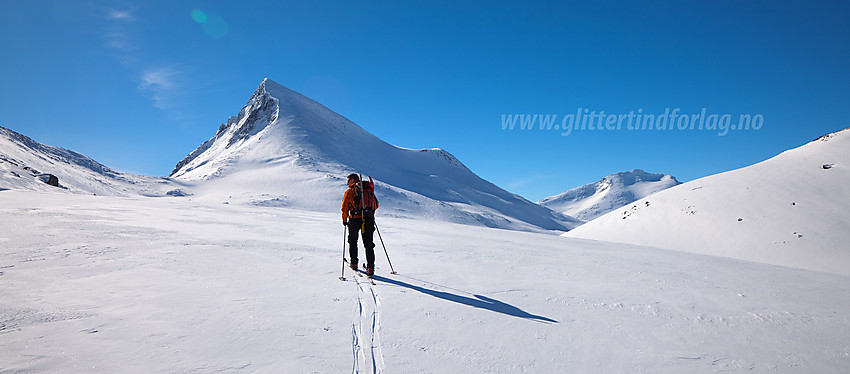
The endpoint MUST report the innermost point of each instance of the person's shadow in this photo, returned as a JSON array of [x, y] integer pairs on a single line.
[[479, 301]]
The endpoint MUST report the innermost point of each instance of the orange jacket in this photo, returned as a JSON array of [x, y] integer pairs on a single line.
[[348, 204]]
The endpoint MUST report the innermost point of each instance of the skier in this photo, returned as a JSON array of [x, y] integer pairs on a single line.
[[358, 213]]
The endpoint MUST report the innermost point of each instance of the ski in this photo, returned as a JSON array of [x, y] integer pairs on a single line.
[[363, 274], [360, 273], [367, 274]]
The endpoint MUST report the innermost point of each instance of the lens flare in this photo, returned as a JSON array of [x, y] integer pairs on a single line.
[[215, 27], [199, 16]]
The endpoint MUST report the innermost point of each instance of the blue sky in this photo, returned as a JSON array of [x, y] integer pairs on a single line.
[[138, 85]]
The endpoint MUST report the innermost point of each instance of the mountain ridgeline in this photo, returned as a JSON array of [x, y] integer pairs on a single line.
[[596, 199], [26, 164], [285, 149]]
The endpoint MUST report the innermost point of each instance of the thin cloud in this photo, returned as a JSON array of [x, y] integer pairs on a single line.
[[159, 77], [115, 36], [120, 15], [160, 83], [163, 83], [118, 41]]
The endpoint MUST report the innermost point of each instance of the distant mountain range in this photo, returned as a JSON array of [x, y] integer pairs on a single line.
[[29, 165], [286, 150], [616, 190], [791, 210]]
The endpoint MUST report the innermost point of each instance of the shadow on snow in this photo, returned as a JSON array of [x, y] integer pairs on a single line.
[[481, 302]]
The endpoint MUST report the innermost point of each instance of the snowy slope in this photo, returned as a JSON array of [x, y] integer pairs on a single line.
[[162, 285], [284, 149], [791, 210], [26, 164], [616, 190]]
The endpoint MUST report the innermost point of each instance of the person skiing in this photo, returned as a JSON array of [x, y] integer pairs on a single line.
[[358, 213]]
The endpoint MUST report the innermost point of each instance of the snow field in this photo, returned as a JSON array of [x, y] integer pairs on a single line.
[[108, 284]]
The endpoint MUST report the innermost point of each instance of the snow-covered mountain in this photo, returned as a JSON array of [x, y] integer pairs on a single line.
[[110, 284], [284, 149], [791, 210], [29, 165], [616, 190]]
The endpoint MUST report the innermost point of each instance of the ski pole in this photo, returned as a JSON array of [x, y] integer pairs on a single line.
[[392, 271], [344, 234], [362, 201]]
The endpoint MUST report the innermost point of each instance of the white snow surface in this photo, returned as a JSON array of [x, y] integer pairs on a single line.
[[102, 284], [284, 149], [24, 162], [791, 210], [614, 191]]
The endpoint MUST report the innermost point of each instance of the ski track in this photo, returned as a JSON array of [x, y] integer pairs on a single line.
[[365, 328], [355, 337]]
